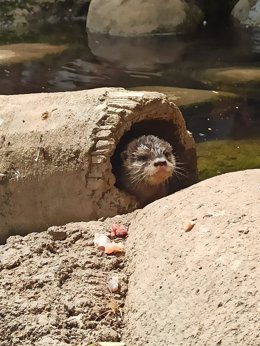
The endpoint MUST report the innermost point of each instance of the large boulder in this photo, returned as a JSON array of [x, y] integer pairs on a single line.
[[247, 12], [141, 17], [185, 288], [197, 285]]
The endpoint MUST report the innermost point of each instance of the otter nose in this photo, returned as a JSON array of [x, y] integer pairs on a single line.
[[160, 163]]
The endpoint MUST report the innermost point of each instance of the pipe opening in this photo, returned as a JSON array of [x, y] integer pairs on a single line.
[[163, 129]]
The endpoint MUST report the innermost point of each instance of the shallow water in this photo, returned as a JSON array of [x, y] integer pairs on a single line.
[[98, 61], [227, 136]]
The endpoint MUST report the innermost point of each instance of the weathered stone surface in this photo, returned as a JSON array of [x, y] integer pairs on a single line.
[[188, 97], [20, 52], [247, 12], [56, 151], [232, 78], [197, 286], [135, 17], [184, 288]]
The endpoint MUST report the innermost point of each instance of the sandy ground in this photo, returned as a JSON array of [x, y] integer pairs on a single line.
[[178, 286], [53, 288]]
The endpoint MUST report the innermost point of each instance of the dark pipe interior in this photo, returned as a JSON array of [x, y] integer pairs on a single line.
[[164, 129]]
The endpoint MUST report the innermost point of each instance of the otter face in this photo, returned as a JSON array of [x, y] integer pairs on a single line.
[[148, 160]]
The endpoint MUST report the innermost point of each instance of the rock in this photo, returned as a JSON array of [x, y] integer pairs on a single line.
[[184, 288], [199, 287], [188, 97], [20, 52], [235, 75], [59, 153], [232, 78], [247, 12], [25, 16], [135, 17]]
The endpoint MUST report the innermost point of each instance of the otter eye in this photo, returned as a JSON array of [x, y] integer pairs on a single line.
[[167, 154], [142, 157]]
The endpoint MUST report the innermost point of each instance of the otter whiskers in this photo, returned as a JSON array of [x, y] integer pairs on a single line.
[[147, 165]]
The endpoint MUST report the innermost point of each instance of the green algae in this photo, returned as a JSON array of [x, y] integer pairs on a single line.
[[223, 156]]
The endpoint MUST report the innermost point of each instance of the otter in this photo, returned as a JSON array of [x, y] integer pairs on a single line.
[[147, 164]]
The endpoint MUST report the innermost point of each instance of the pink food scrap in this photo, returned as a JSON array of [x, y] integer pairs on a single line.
[[118, 231]]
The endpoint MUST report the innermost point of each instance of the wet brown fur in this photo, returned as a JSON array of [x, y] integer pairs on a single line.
[[147, 164]]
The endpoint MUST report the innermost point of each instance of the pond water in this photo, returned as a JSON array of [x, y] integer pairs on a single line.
[[227, 131]]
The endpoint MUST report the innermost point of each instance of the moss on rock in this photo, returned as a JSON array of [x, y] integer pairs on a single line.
[[222, 156]]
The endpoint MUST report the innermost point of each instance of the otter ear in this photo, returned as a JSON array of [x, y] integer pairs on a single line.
[[124, 155]]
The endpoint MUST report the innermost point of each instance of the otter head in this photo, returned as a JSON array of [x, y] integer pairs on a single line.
[[148, 160]]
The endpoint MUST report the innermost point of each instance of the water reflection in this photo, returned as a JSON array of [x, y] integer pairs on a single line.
[[255, 36], [124, 62], [150, 61], [138, 54], [79, 73], [113, 61], [224, 120]]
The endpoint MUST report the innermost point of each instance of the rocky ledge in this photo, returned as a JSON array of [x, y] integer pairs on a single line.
[[190, 274]]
